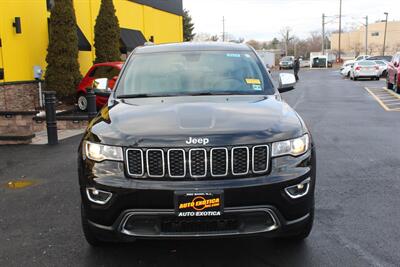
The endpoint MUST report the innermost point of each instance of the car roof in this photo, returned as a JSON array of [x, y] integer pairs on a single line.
[[113, 63], [192, 46]]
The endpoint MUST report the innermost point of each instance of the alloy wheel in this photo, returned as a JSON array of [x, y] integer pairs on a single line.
[[82, 103]]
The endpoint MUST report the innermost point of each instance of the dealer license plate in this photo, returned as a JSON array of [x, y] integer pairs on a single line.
[[198, 204]]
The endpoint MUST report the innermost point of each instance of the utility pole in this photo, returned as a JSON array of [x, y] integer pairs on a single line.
[[366, 35], [384, 37], [223, 29], [323, 34], [340, 29]]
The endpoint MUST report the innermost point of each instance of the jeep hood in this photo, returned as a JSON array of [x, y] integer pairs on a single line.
[[169, 121]]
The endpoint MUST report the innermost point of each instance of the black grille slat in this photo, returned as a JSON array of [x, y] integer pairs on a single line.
[[260, 158], [240, 160], [219, 162], [155, 163], [176, 163], [135, 162], [198, 162]]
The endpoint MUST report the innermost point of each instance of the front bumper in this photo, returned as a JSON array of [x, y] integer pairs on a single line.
[[151, 203]]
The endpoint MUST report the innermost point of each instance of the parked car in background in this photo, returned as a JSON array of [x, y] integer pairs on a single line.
[[346, 69], [359, 58], [386, 58], [393, 74], [382, 67], [286, 62], [109, 70], [365, 69]]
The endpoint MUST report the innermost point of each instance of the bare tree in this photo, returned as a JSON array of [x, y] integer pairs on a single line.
[[287, 36], [201, 37], [255, 44]]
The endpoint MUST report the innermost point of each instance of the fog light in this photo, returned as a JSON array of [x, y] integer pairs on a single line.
[[298, 190], [98, 196]]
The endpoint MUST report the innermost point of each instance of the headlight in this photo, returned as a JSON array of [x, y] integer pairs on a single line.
[[98, 152], [294, 147]]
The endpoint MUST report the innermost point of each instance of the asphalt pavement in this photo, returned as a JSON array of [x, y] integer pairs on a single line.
[[357, 196]]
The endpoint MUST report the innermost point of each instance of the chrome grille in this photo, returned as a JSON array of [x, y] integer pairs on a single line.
[[155, 162], [198, 162], [240, 160], [260, 158], [176, 163], [135, 162], [219, 162], [186, 163]]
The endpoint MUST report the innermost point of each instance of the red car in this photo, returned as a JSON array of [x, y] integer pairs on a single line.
[[109, 70], [393, 74]]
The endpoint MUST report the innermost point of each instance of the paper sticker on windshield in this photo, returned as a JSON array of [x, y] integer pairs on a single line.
[[257, 87], [233, 55], [253, 81]]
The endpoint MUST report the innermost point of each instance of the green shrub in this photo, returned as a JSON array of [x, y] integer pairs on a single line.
[[62, 73], [107, 34]]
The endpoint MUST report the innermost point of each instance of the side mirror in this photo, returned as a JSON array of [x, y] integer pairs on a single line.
[[100, 87], [286, 82]]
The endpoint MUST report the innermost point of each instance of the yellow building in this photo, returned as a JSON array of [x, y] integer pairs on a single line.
[[24, 31], [353, 43]]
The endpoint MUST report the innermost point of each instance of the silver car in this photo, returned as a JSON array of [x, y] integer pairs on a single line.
[[365, 69]]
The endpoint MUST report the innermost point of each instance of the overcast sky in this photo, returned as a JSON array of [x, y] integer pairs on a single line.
[[263, 19]]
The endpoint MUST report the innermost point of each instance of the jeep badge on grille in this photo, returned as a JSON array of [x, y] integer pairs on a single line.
[[200, 141]]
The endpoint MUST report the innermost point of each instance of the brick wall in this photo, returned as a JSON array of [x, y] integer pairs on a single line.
[[20, 125], [16, 124], [19, 96]]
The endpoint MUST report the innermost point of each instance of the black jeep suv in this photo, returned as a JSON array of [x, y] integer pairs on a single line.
[[195, 141]]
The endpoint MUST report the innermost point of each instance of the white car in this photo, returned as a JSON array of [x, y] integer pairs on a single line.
[[365, 69], [346, 69], [382, 67], [359, 58]]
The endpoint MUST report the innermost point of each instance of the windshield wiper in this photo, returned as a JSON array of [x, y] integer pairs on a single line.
[[220, 93], [144, 95]]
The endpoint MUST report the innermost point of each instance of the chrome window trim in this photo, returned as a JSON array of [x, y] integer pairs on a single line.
[[147, 163], [205, 162], [252, 158], [248, 159], [127, 162], [227, 161], [184, 163]]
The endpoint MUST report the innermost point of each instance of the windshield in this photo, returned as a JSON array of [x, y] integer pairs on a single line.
[[287, 59], [194, 72]]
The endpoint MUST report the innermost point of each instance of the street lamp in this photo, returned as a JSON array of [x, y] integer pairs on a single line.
[[384, 37]]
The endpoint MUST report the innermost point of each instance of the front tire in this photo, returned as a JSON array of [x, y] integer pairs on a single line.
[[396, 85]]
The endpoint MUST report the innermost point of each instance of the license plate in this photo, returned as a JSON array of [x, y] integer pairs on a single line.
[[198, 204]]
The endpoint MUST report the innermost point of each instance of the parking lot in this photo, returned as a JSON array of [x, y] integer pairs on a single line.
[[356, 128]]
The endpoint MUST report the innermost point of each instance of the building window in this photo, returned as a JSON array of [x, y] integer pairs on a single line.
[[375, 34]]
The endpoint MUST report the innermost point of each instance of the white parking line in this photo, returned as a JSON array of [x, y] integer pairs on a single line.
[[383, 96]]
